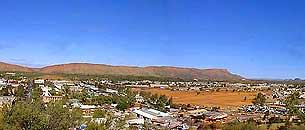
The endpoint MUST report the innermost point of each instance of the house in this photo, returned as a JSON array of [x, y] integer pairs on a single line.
[[91, 87], [6, 100], [149, 114], [46, 95], [39, 81], [197, 113], [139, 98], [159, 118], [302, 96], [45, 90], [170, 123], [2, 82], [88, 110], [137, 121], [47, 99], [215, 116], [10, 73], [159, 85], [137, 86], [75, 88], [58, 87], [111, 91]]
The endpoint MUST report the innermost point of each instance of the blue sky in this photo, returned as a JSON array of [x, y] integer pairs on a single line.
[[256, 39]]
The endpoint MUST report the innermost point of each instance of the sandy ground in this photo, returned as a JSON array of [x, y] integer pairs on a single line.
[[221, 99]]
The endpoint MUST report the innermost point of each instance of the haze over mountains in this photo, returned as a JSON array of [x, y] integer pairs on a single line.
[[101, 69]]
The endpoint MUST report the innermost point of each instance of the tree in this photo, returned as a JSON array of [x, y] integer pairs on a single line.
[[125, 100], [260, 99], [99, 113], [4, 92], [122, 105], [96, 126], [291, 103], [240, 126], [28, 115], [20, 92], [154, 98], [295, 127], [197, 92], [36, 94], [59, 118]]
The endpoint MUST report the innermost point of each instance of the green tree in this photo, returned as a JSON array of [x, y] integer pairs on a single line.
[[291, 103], [28, 115], [99, 113], [260, 99], [20, 93], [122, 105], [36, 93], [59, 118], [4, 92], [96, 126], [295, 127]]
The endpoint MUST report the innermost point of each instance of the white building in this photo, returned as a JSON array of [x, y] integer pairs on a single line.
[[139, 98], [39, 81], [45, 90], [111, 91], [138, 121], [2, 82], [150, 114]]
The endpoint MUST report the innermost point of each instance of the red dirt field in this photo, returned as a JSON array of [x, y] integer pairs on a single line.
[[221, 99]]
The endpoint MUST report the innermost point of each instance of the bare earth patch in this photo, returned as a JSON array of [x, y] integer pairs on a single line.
[[221, 99]]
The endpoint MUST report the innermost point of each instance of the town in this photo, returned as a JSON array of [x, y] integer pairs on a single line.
[[100, 104]]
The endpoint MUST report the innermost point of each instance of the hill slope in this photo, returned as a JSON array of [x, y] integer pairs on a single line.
[[164, 71], [100, 69], [11, 67]]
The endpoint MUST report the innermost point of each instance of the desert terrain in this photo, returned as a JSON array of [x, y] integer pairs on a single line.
[[221, 99]]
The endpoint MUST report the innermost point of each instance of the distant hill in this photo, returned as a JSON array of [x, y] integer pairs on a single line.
[[11, 67], [156, 71]]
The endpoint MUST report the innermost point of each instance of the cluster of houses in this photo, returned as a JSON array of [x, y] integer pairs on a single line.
[[55, 90]]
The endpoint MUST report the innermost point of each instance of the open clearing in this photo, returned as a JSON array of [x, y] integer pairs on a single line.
[[221, 99]]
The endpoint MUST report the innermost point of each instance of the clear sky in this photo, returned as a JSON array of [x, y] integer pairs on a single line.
[[253, 38]]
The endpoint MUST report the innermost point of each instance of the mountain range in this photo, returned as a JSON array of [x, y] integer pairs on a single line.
[[102, 69]]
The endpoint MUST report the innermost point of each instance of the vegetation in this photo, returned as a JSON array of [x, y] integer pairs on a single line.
[[241, 126], [125, 99], [294, 127], [35, 115], [158, 102], [291, 103], [99, 113], [260, 99]]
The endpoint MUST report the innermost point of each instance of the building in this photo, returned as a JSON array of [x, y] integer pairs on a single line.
[[138, 121], [6, 100], [10, 73], [159, 118], [139, 98], [2, 82], [47, 99], [215, 116], [197, 113], [159, 85], [150, 114], [39, 81], [88, 110], [111, 91]]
